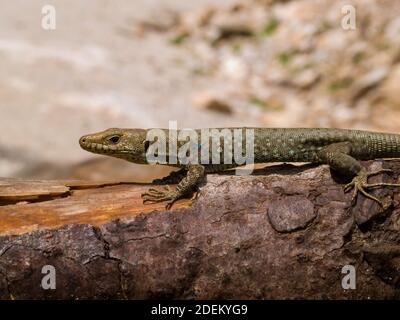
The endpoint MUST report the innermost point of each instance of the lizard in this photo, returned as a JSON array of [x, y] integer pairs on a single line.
[[341, 149]]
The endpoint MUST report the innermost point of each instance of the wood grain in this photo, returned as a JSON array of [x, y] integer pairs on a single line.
[[29, 205]]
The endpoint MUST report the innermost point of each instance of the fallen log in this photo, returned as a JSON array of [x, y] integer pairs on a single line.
[[284, 232]]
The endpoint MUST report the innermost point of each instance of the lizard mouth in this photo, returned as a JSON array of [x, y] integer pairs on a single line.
[[99, 147]]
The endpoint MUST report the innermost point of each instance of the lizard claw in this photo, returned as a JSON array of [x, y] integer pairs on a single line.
[[360, 184], [348, 186], [155, 196]]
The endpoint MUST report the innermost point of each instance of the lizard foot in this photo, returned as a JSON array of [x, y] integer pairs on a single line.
[[360, 183], [155, 196]]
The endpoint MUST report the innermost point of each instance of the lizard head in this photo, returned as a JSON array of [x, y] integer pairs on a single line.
[[128, 144]]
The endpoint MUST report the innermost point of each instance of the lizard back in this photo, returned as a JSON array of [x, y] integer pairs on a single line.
[[301, 144]]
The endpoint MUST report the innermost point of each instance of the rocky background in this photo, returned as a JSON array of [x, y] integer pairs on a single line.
[[202, 63]]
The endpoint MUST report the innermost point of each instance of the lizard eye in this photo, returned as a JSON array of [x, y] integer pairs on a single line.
[[113, 139]]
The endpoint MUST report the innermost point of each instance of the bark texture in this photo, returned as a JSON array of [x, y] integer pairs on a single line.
[[284, 232]]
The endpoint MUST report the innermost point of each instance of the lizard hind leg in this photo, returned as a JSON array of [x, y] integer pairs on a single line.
[[337, 156]]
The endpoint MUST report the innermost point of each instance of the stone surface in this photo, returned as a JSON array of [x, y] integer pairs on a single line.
[[222, 246], [291, 213]]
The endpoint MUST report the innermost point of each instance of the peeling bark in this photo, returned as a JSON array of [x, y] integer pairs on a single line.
[[284, 232]]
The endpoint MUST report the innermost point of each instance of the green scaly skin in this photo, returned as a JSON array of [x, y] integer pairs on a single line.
[[339, 148]]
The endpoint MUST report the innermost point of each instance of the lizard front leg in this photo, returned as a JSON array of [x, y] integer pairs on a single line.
[[195, 174], [337, 156]]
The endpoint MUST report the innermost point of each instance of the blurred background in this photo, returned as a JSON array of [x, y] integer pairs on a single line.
[[202, 63]]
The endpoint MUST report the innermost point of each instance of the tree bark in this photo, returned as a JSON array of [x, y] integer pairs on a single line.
[[284, 232]]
